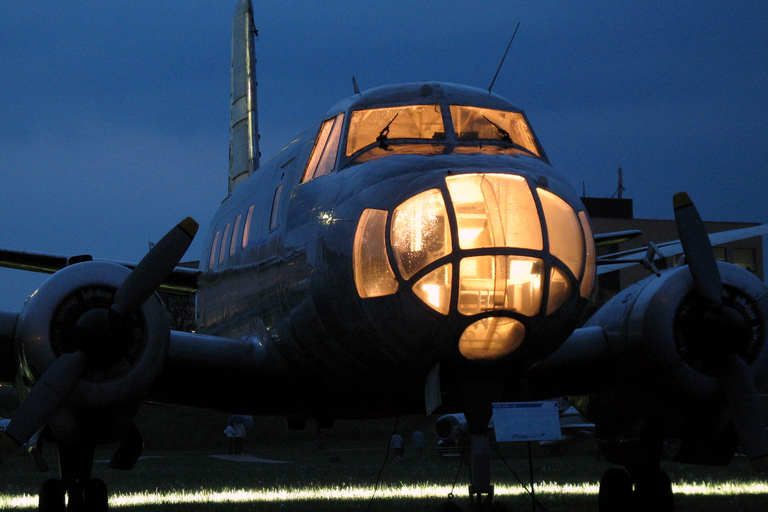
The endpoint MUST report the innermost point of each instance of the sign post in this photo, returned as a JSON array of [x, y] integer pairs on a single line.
[[527, 421]]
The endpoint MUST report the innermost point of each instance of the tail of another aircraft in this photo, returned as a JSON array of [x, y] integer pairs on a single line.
[[244, 123]]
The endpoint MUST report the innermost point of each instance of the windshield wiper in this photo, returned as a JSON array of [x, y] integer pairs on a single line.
[[504, 133], [382, 138]]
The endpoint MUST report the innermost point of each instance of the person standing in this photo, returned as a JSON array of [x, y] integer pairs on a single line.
[[418, 442], [396, 443], [230, 433], [239, 436]]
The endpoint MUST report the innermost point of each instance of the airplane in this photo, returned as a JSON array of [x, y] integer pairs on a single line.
[[414, 251]]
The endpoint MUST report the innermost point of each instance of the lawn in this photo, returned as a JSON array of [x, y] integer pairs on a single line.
[[339, 472]]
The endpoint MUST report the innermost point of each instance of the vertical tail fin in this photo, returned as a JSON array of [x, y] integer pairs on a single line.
[[244, 124]]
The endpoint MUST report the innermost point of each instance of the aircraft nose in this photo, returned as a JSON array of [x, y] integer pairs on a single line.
[[490, 249]]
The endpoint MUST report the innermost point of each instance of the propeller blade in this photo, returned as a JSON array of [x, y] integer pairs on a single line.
[[154, 268], [744, 405], [698, 249], [129, 450], [44, 398]]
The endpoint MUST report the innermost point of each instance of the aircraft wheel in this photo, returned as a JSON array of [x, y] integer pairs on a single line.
[[653, 491], [95, 497], [615, 493], [51, 496]]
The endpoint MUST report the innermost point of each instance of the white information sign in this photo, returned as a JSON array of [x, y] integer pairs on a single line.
[[526, 421]]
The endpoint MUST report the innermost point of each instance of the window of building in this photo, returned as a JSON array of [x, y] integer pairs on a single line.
[[746, 258]]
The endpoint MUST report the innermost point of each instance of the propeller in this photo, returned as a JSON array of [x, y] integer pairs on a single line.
[[722, 321], [98, 330]]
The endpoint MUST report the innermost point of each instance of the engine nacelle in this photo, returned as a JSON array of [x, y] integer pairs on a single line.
[[119, 369], [659, 329]]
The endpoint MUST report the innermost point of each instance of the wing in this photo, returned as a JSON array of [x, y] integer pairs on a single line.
[[182, 280], [624, 259]]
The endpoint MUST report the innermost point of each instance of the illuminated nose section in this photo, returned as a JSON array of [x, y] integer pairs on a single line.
[[484, 246]]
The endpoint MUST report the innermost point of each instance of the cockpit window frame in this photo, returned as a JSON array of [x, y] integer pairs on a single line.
[[448, 142], [325, 151]]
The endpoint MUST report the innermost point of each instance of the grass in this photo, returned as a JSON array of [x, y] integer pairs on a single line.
[[339, 474]]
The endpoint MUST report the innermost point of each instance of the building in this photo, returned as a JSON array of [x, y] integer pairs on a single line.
[[612, 215]]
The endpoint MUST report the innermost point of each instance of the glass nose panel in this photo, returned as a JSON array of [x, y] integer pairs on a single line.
[[495, 210], [420, 232], [435, 289], [488, 283], [491, 338], [566, 241]]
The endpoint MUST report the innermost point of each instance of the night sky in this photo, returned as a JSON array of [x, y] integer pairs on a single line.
[[114, 116]]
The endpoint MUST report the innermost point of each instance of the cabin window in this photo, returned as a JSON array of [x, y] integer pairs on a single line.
[[273, 223], [214, 245], [474, 123], [235, 237], [382, 124], [247, 228], [323, 158], [225, 242]]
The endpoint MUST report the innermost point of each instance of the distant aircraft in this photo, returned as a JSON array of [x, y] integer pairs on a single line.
[[413, 251]]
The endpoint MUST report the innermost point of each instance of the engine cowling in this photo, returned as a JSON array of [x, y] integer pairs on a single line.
[[661, 328], [118, 368]]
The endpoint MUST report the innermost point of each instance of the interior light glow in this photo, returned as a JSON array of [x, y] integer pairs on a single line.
[[474, 123], [435, 289], [490, 283], [590, 267], [405, 122], [374, 276], [566, 240], [560, 288], [491, 338], [420, 232], [495, 210]]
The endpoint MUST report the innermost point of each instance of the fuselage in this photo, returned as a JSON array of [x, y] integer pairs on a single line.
[[414, 224]]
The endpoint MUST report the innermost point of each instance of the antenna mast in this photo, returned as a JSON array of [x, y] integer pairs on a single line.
[[621, 189], [504, 57]]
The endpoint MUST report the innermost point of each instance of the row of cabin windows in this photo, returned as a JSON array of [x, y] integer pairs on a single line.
[[227, 240]]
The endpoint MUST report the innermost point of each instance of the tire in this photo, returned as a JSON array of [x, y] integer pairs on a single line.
[[615, 491], [51, 497]]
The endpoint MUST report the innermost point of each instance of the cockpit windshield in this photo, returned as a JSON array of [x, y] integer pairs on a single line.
[[382, 124], [482, 124]]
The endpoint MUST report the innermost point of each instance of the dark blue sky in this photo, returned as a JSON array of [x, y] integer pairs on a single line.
[[114, 116]]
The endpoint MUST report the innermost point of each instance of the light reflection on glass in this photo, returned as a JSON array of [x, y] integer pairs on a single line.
[[420, 232]]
